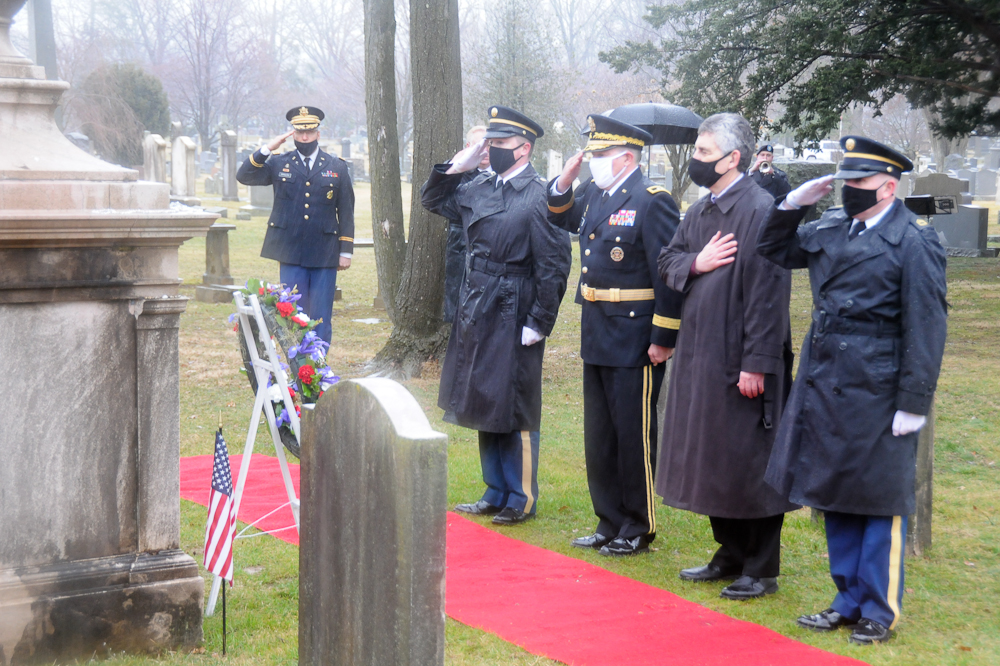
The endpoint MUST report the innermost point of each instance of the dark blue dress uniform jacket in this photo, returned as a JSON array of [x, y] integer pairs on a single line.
[[312, 220], [835, 449], [622, 256], [516, 270]]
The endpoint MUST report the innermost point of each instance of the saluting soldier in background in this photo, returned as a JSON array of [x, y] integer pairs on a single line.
[[775, 181], [866, 379], [515, 278], [311, 229], [629, 324]]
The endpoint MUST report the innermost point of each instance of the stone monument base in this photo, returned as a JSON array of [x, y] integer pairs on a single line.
[[139, 602], [215, 293]]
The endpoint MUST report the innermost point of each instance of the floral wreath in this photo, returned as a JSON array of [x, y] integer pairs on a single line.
[[306, 353]]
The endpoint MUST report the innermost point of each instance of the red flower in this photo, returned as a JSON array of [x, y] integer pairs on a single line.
[[306, 374], [286, 309], [291, 390], [236, 328], [261, 291], [298, 410]]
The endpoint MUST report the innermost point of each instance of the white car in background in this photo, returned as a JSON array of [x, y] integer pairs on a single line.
[[825, 152]]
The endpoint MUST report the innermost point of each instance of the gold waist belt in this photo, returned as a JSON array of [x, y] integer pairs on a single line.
[[615, 295]]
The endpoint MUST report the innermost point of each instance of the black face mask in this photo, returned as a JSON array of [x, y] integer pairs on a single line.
[[306, 149], [501, 159], [857, 200], [703, 174]]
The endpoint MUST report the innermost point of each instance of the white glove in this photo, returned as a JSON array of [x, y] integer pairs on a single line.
[[530, 336], [808, 192], [468, 159], [903, 423]]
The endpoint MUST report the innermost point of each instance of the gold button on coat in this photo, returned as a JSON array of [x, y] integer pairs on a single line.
[[307, 185], [618, 239], [591, 236], [631, 314], [307, 194], [306, 216], [587, 252], [307, 205], [584, 269]]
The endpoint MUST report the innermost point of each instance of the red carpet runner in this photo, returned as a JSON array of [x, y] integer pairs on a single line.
[[550, 604]]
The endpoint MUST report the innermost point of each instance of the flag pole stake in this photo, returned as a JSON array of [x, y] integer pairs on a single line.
[[223, 618]]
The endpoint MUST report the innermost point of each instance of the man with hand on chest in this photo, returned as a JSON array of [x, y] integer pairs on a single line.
[[866, 379], [629, 324], [732, 367], [311, 229]]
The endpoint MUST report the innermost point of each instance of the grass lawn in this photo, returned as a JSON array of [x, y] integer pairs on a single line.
[[951, 608]]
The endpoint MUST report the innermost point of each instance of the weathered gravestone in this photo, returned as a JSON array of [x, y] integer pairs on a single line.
[[229, 166], [90, 558], [953, 162], [993, 159], [555, 164], [373, 524], [939, 184], [969, 175], [986, 184], [183, 173], [214, 281], [345, 148], [206, 161], [261, 201], [154, 158], [963, 233]]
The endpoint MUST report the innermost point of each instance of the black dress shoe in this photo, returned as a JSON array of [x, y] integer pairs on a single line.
[[869, 631], [480, 508], [511, 516], [620, 547], [595, 541], [828, 620], [706, 573], [749, 587]]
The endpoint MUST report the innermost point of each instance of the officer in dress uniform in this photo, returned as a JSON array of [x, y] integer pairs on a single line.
[[629, 325], [775, 182], [867, 374], [311, 228], [515, 278]]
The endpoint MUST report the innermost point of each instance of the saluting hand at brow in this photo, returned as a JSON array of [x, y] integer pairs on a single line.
[[717, 252]]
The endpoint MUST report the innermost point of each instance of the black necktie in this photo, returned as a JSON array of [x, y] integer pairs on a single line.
[[305, 160], [856, 230]]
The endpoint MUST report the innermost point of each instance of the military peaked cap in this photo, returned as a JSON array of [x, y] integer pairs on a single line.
[[864, 157], [604, 132], [305, 117], [765, 148], [505, 121]]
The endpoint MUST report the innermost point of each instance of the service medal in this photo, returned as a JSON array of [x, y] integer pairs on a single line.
[[329, 194], [617, 254]]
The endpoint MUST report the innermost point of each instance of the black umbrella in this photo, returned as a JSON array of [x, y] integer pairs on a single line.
[[669, 124]]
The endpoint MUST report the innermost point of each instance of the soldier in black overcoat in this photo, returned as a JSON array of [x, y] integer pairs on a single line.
[[869, 367], [628, 327], [732, 366], [310, 232], [515, 278]]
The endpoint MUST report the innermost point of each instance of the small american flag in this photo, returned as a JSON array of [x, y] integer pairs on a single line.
[[221, 526]]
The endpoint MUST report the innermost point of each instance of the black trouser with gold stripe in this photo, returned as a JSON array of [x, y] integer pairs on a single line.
[[619, 439]]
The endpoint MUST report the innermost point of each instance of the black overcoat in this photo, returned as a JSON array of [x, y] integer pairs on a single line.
[[516, 270], [620, 240], [716, 443], [835, 449], [312, 219]]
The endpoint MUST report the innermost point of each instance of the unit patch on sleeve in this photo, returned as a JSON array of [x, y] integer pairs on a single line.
[[623, 218]]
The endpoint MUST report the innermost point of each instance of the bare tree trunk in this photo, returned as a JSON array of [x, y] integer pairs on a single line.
[[435, 67], [943, 147], [680, 156], [383, 147]]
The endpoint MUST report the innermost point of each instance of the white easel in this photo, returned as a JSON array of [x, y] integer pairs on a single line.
[[247, 307]]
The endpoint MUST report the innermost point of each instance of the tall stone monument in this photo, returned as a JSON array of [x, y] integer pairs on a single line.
[[90, 562], [229, 166], [154, 158]]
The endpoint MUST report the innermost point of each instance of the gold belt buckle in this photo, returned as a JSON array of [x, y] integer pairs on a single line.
[[587, 293], [615, 295]]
